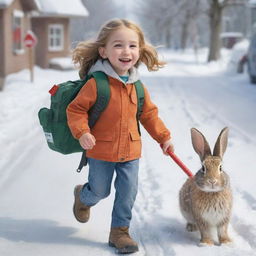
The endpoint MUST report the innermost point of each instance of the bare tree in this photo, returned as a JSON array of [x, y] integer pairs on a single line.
[[191, 14], [215, 14], [99, 12], [158, 17], [174, 23]]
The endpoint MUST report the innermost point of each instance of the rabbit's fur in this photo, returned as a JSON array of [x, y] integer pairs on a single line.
[[206, 198]]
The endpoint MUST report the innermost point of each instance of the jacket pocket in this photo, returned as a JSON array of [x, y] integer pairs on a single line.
[[134, 135], [135, 145], [104, 147]]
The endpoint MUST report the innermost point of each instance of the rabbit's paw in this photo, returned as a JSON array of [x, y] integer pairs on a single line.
[[206, 242], [226, 242]]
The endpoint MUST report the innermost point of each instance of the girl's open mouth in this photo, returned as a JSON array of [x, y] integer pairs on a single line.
[[125, 60]]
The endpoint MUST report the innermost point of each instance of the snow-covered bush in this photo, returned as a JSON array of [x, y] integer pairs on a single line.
[[238, 52]]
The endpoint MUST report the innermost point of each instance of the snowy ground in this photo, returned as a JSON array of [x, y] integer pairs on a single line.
[[36, 185]]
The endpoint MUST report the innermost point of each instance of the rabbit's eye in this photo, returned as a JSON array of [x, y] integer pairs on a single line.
[[221, 170], [203, 169]]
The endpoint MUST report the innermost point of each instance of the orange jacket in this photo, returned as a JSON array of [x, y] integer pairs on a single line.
[[116, 131]]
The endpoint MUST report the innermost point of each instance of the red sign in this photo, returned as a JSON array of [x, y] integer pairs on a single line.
[[30, 39]]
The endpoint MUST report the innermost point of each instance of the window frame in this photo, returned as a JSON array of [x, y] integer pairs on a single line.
[[18, 15], [55, 39]]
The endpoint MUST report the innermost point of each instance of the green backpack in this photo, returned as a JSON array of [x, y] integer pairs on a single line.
[[54, 120]]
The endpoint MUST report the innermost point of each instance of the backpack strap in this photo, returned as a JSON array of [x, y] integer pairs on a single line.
[[103, 96], [140, 101], [83, 162]]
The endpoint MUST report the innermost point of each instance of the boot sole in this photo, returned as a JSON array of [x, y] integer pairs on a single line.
[[79, 220], [125, 250]]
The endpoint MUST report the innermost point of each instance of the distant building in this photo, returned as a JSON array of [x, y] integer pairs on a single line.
[[48, 19], [252, 6], [229, 39], [239, 19]]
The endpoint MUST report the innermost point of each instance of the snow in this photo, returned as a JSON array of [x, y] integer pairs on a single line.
[[239, 50], [231, 34], [57, 7], [62, 7], [36, 185], [243, 45], [63, 63], [5, 3]]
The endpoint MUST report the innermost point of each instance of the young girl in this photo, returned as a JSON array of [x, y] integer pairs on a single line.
[[114, 143]]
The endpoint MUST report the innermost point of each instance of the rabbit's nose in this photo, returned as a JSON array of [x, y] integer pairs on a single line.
[[212, 181]]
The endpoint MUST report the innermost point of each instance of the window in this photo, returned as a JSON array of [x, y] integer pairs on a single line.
[[55, 37], [17, 32]]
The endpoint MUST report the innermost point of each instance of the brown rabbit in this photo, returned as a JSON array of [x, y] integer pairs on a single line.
[[206, 199]]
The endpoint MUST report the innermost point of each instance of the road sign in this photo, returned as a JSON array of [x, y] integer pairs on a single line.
[[30, 39]]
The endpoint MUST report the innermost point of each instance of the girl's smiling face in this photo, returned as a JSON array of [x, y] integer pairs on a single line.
[[122, 50]]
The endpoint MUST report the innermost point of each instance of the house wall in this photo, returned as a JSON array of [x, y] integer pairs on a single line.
[[2, 67], [40, 28], [14, 62]]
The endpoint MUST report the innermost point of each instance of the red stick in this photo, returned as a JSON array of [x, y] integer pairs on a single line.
[[179, 163]]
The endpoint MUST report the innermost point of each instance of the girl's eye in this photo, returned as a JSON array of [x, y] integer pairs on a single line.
[[117, 45], [133, 46]]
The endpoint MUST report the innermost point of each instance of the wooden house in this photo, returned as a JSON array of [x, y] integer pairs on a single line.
[[50, 22]]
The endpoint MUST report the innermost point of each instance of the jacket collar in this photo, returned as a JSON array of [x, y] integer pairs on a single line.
[[106, 67]]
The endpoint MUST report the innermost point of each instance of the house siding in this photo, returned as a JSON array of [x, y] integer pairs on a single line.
[[40, 28], [14, 62], [2, 57], [2, 44]]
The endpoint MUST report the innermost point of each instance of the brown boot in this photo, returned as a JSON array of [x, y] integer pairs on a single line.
[[80, 210], [121, 240]]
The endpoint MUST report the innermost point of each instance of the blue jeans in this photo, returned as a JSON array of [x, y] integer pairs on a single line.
[[99, 186]]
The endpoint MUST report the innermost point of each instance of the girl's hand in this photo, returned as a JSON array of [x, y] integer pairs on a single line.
[[87, 141], [166, 146]]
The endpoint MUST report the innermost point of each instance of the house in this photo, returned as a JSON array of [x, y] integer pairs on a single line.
[[229, 39], [238, 21], [48, 19]]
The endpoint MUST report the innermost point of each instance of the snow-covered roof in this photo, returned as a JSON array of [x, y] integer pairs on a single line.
[[4, 3], [62, 7], [231, 34], [55, 7]]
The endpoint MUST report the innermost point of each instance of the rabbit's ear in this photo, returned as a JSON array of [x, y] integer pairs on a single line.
[[200, 144], [221, 143]]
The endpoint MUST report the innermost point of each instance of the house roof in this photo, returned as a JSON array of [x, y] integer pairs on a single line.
[[5, 3], [54, 8], [61, 7]]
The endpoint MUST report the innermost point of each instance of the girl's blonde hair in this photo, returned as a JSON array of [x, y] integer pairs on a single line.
[[87, 52]]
